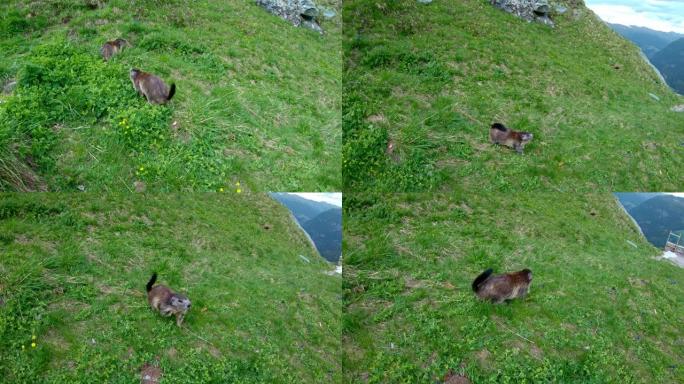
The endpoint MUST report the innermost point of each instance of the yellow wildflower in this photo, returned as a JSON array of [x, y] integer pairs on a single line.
[[220, 189], [33, 337], [239, 190], [33, 345]]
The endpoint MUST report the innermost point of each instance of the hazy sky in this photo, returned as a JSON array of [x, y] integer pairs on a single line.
[[334, 198], [661, 15]]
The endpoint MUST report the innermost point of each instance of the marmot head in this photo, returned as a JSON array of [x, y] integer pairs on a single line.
[[180, 302], [526, 272]]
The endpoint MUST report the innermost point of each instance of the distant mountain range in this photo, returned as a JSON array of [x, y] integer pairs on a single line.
[[631, 200], [650, 41], [656, 214], [321, 221], [665, 50], [670, 63]]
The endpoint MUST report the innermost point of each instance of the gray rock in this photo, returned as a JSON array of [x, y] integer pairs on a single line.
[[654, 97], [577, 14], [530, 10], [425, 1], [561, 9], [678, 108], [329, 13], [9, 87], [298, 12]]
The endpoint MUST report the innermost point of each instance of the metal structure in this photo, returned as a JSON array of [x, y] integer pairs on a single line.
[[675, 244]]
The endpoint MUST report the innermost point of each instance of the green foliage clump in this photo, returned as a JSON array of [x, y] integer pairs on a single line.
[[59, 83], [143, 127]]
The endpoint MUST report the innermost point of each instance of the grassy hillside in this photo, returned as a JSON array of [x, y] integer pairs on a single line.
[[258, 100], [599, 310], [74, 268], [432, 78]]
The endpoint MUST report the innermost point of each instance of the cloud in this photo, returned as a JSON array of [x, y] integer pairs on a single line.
[[334, 198], [661, 15]]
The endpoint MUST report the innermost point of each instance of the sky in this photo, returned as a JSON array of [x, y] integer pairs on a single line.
[[661, 15], [334, 198]]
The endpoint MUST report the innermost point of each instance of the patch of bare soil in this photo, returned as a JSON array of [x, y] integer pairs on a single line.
[[453, 378], [150, 374]]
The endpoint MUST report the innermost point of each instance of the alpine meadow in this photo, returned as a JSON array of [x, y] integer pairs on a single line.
[[73, 306], [423, 83], [600, 308], [258, 100]]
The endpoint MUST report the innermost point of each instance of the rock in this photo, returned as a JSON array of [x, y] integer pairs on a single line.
[[9, 87], [577, 14], [654, 97], [561, 9], [139, 186], [329, 13], [530, 10], [678, 108], [298, 12], [425, 1]]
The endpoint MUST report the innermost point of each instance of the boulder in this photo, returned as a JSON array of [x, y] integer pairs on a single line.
[[530, 10], [9, 86], [298, 12]]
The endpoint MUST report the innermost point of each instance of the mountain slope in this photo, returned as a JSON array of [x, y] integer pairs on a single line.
[[650, 41], [302, 209], [432, 78], [599, 310], [670, 62], [73, 273], [631, 200], [257, 99], [326, 232], [658, 216]]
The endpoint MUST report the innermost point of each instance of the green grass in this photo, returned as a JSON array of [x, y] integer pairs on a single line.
[[599, 310], [432, 78], [74, 268], [258, 100]]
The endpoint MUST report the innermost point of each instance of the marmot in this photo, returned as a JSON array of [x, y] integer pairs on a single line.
[[499, 134], [166, 301], [153, 88], [113, 47], [502, 287]]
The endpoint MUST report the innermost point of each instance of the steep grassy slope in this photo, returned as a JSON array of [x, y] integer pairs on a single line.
[[74, 268], [432, 78], [599, 310], [258, 100]]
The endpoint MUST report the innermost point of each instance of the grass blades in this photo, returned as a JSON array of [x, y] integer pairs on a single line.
[[599, 310], [73, 273], [258, 100], [432, 78]]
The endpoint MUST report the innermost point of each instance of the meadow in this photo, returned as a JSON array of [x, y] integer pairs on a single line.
[[257, 99], [599, 310], [73, 307], [431, 79]]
